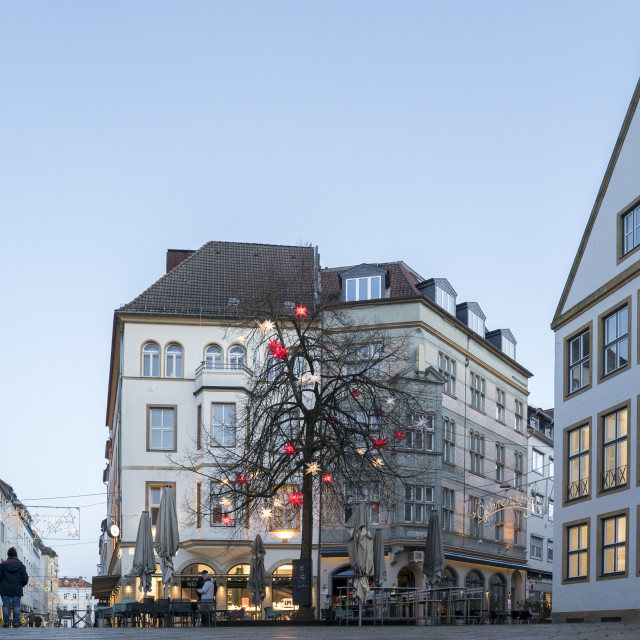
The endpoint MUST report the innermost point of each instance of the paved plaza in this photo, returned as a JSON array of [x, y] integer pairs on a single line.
[[614, 631]]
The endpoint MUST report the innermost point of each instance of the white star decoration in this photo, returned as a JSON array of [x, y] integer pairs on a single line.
[[266, 513], [277, 503], [421, 423], [391, 402], [242, 338], [314, 378], [267, 325], [378, 463], [312, 468], [225, 502], [362, 451]]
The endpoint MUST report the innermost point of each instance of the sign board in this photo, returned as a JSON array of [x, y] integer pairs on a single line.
[[301, 582], [189, 583]]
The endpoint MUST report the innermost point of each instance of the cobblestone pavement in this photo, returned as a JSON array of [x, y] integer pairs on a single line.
[[613, 631]]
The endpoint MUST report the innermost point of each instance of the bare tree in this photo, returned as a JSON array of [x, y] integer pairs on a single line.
[[329, 402]]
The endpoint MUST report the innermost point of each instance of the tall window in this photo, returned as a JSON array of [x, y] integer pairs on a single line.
[[449, 441], [578, 463], [237, 357], [536, 547], [476, 323], [369, 494], [213, 357], [614, 544], [477, 392], [448, 506], [476, 450], [537, 461], [476, 510], [365, 360], [501, 401], [223, 425], [499, 462], [518, 519], [509, 348], [284, 513], [498, 521], [616, 341], [519, 415], [369, 288], [221, 508], [198, 505], [151, 360], [518, 467], [154, 496], [162, 429], [579, 362], [418, 502], [615, 444], [631, 230], [549, 550], [173, 367], [446, 301], [447, 367]]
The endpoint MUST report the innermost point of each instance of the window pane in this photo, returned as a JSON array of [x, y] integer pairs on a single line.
[[583, 564], [574, 442], [407, 512], [609, 557], [622, 322], [622, 526], [610, 427], [167, 440], [609, 531], [146, 366], [156, 439], [156, 417], [623, 357], [621, 557], [622, 423], [168, 418], [585, 344], [363, 288], [585, 438], [351, 290], [609, 458], [610, 359], [375, 288], [573, 565]]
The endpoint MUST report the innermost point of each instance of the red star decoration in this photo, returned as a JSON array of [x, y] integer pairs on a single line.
[[241, 480], [374, 506], [294, 498], [278, 350], [273, 344], [379, 443], [399, 434], [226, 520], [327, 477], [289, 449], [301, 311], [355, 393]]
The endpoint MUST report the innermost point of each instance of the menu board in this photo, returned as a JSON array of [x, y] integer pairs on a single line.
[[301, 582]]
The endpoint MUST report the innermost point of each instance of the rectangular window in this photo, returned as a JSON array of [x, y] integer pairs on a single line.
[[518, 519], [501, 402], [199, 426], [509, 348], [285, 514], [447, 367], [615, 329], [498, 521], [614, 544], [364, 360], [549, 550], [449, 441], [448, 502], [630, 230], [446, 301], [499, 462], [519, 415], [162, 429], [477, 392], [221, 511], [476, 452], [578, 463], [579, 362], [537, 461], [418, 502], [363, 288], [355, 494], [536, 548], [476, 323], [577, 551], [154, 494], [199, 505], [223, 425], [518, 467], [614, 449], [476, 510], [538, 504]]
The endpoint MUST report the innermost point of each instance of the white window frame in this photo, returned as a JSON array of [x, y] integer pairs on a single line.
[[630, 230], [508, 348], [449, 441], [446, 301], [537, 461], [418, 502], [519, 413], [475, 322], [501, 405], [478, 388], [161, 429], [213, 357], [237, 357], [174, 360], [151, 360], [368, 295], [447, 367], [536, 550], [223, 432]]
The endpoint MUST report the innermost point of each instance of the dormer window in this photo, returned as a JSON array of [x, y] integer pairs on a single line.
[[509, 348], [445, 300], [369, 288], [476, 323]]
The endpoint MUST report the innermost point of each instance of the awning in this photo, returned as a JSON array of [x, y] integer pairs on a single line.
[[505, 564], [104, 586]]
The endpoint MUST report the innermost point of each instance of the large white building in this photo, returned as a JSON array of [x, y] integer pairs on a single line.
[[74, 594], [597, 383]]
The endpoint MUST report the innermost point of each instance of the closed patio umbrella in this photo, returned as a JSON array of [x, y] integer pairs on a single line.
[[144, 563], [379, 566], [360, 547], [433, 564], [256, 582], [167, 538]]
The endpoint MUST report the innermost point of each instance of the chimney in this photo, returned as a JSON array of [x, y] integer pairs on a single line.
[[176, 256]]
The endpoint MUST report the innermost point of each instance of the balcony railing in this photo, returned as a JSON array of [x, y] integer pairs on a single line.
[[578, 489], [213, 375], [614, 478], [212, 367]]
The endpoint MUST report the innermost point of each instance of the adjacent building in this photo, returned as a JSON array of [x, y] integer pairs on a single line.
[[50, 578], [74, 594], [597, 382], [178, 365]]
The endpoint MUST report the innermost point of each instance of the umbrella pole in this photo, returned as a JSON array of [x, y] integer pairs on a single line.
[[359, 612], [166, 591]]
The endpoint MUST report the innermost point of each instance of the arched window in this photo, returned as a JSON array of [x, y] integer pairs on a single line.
[[174, 361], [190, 576], [449, 578], [151, 360], [497, 593], [236, 357], [238, 595], [213, 357], [475, 594], [282, 594]]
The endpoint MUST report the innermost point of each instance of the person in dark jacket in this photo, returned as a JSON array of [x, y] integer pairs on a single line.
[[13, 578]]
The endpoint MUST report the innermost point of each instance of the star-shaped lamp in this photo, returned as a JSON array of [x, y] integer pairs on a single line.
[[289, 449], [301, 311], [379, 443], [226, 520], [312, 468], [294, 498], [327, 477]]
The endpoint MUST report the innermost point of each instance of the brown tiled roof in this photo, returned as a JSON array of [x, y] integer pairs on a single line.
[[73, 583], [402, 281], [209, 281]]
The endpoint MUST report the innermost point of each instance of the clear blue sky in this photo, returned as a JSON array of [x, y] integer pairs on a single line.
[[468, 139]]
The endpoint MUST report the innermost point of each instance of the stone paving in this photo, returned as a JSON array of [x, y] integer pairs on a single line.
[[596, 631]]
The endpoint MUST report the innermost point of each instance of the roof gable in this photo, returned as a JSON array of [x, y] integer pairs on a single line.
[[596, 262]]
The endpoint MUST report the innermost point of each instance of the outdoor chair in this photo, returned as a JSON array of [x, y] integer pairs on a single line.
[[235, 614], [343, 614], [181, 610], [145, 610], [206, 613], [162, 611], [269, 613], [133, 613], [66, 614]]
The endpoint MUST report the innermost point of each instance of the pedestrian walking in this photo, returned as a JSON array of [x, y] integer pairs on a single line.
[[13, 579]]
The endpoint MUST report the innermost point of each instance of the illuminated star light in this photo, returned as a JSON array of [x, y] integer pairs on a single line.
[[391, 402], [226, 520], [399, 434], [225, 502], [241, 480], [301, 311], [294, 498], [289, 449], [225, 481], [265, 326], [241, 338], [355, 393], [277, 503], [379, 443], [312, 468], [278, 350], [378, 463], [327, 477], [266, 513], [362, 451], [314, 378], [421, 423]]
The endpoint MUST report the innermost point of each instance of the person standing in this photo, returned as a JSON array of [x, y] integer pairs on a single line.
[[13, 579], [207, 598]]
